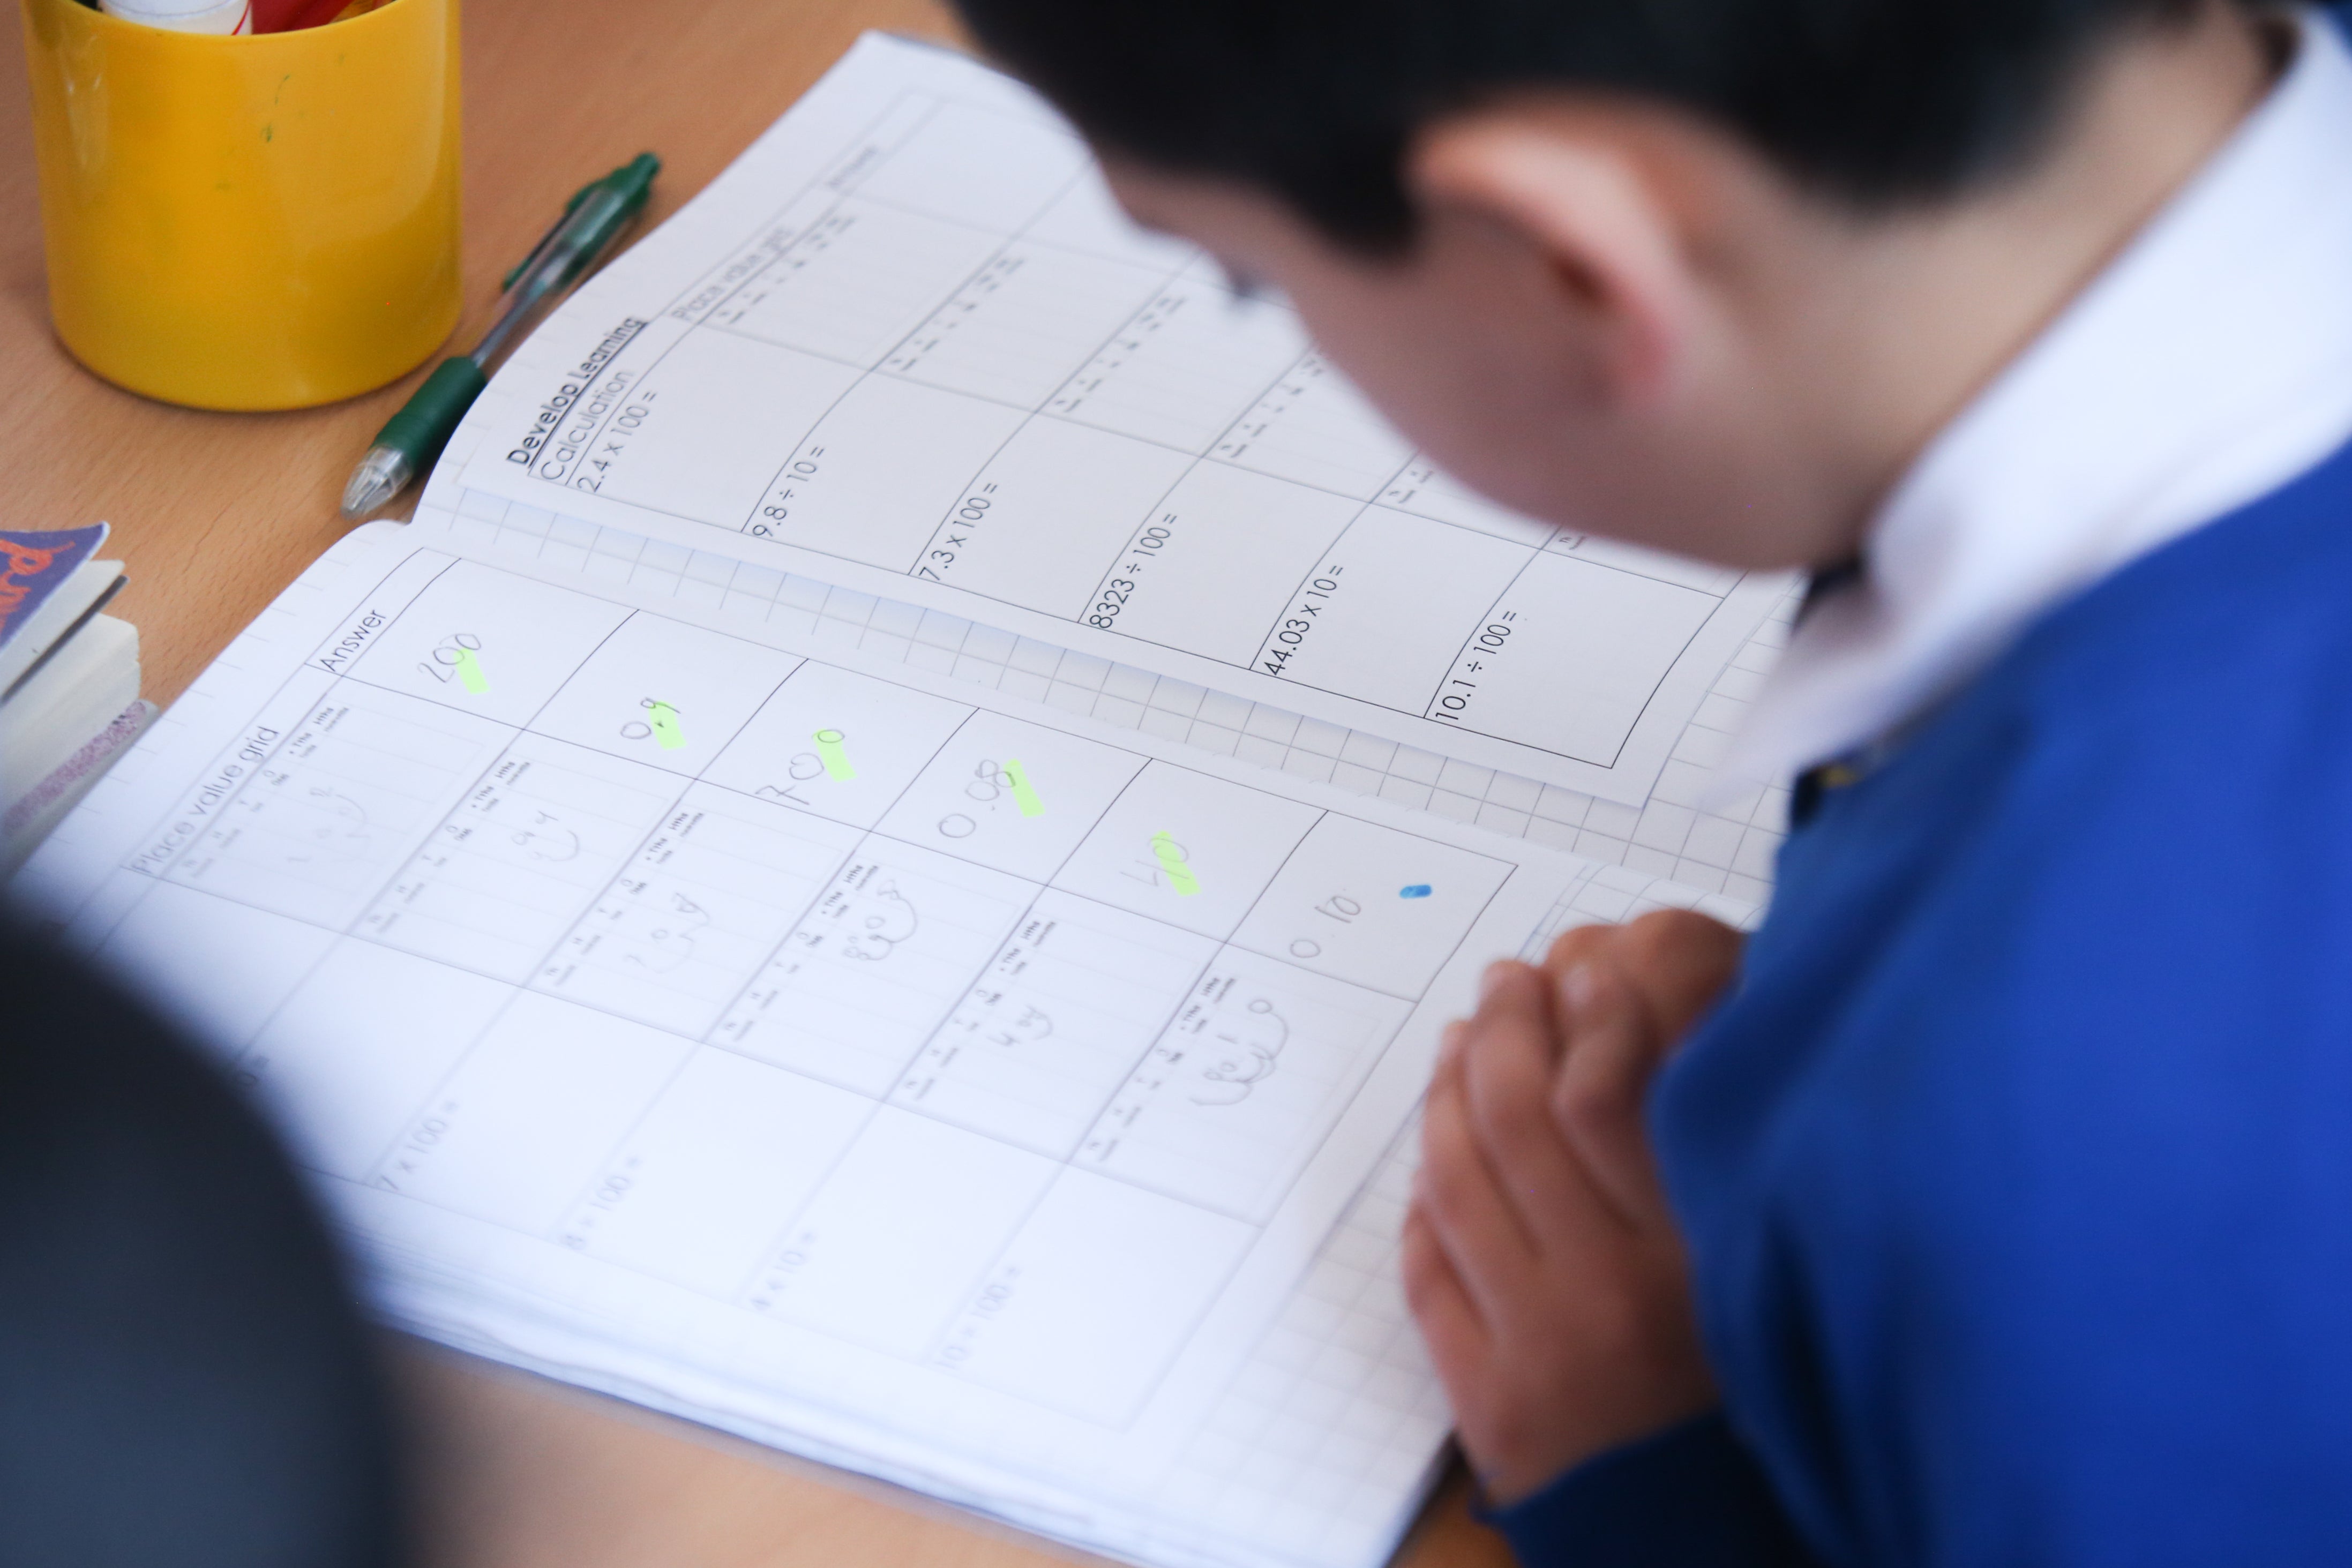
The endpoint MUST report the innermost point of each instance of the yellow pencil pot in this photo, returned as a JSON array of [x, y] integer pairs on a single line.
[[248, 221]]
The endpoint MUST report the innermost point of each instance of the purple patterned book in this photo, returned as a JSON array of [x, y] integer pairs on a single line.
[[35, 565]]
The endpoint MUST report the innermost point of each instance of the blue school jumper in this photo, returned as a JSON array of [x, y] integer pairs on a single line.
[[2017, 1170]]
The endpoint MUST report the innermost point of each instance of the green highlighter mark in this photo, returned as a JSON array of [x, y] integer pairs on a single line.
[[1024, 795], [663, 719], [469, 671], [1170, 856], [836, 760]]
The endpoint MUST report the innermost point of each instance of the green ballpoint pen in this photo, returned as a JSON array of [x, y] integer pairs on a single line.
[[413, 437]]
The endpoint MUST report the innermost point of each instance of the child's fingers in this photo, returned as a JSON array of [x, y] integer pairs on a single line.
[[1581, 946], [1678, 961], [1458, 1340], [1597, 1098], [1481, 1232], [1509, 1062], [1681, 962], [1449, 1043]]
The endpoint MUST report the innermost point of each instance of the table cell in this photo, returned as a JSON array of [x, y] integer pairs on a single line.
[[701, 431], [872, 968], [518, 860], [976, 166], [1314, 426], [1095, 1297], [1373, 905], [885, 1252], [1014, 795], [520, 1129], [1428, 491], [488, 642], [1571, 657], [872, 481], [837, 744], [358, 1046], [1187, 848], [1239, 1090], [1373, 619], [1186, 366], [1215, 565], [702, 1186], [339, 804], [1035, 525], [664, 693], [1086, 217], [1023, 323], [1061, 1016], [694, 915], [854, 282], [219, 969]]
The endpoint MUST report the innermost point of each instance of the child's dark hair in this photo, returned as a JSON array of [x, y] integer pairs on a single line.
[[1874, 102]]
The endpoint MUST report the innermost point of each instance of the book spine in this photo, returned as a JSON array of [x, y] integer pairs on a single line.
[[100, 748]]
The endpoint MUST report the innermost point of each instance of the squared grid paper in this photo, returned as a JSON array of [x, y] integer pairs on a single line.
[[1729, 850], [1613, 895], [1329, 1428], [1338, 1408]]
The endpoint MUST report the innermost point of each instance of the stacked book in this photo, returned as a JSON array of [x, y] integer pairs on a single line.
[[69, 700]]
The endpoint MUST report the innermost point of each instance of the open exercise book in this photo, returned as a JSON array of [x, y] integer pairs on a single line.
[[740, 906]]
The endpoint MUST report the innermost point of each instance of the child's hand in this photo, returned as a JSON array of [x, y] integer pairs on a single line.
[[1539, 1254]]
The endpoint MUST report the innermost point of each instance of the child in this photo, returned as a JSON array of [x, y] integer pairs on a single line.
[[184, 1376], [2010, 1174]]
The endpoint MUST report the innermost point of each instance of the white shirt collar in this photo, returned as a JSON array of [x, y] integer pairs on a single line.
[[2206, 366]]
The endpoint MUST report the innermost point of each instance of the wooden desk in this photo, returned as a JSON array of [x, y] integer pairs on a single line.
[[216, 513]]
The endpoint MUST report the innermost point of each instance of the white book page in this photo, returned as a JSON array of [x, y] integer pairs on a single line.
[[907, 344], [908, 1074]]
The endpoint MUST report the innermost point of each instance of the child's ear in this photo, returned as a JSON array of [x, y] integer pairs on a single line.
[[1594, 220]]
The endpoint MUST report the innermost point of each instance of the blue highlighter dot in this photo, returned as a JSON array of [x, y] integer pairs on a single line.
[[1418, 890]]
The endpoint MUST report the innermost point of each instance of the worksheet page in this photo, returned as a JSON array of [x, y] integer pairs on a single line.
[[913, 1076], [908, 344]]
